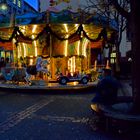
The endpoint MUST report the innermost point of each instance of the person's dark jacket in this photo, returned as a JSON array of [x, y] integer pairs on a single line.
[[107, 89]]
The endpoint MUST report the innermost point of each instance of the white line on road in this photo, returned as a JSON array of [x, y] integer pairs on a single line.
[[18, 117]]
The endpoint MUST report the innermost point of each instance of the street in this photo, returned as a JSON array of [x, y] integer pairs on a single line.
[[48, 117]]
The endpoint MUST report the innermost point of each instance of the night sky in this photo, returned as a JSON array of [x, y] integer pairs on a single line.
[[33, 3]]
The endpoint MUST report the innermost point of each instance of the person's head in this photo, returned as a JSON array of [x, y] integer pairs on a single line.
[[106, 72], [2, 58]]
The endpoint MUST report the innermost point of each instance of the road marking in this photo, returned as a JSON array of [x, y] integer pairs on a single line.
[[16, 118], [62, 118], [73, 98]]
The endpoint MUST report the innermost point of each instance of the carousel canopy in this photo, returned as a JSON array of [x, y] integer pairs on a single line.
[[64, 25], [55, 17]]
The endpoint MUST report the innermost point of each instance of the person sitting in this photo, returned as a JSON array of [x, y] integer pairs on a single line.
[[7, 60], [2, 62], [107, 88]]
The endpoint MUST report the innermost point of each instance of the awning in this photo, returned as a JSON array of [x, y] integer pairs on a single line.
[[95, 45], [6, 46], [52, 16]]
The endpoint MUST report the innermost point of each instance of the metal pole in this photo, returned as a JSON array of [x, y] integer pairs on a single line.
[[51, 54]]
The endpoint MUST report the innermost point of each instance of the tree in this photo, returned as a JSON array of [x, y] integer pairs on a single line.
[[133, 18], [104, 8], [134, 21]]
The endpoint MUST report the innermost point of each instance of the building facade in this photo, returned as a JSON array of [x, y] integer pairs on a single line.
[[17, 7]]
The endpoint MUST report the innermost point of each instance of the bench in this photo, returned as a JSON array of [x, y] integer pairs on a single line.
[[115, 115]]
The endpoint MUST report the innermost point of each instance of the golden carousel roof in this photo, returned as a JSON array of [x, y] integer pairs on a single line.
[[62, 30], [62, 24]]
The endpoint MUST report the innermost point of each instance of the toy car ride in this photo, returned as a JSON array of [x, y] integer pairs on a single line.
[[81, 78]]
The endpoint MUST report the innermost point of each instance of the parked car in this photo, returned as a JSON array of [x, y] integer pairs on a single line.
[[81, 78]]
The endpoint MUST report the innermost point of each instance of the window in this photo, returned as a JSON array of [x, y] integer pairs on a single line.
[[19, 3], [113, 57]]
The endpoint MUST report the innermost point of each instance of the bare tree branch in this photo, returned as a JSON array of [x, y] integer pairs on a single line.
[[120, 9]]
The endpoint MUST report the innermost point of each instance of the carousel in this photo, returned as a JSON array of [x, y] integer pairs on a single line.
[[68, 42]]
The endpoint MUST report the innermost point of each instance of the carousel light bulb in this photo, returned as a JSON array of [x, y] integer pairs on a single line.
[[95, 65], [78, 47], [66, 42], [24, 47], [34, 28], [66, 28], [84, 47]]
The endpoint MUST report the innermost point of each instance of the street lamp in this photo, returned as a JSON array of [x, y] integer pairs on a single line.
[[4, 7]]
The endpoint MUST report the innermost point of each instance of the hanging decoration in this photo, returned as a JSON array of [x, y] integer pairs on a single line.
[[102, 35]]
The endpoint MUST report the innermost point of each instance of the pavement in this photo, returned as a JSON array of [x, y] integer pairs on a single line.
[[49, 117], [53, 116]]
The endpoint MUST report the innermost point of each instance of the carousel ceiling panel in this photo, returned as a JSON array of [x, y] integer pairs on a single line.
[[64, 30], [61, 30], [92, 30], [32, 30]]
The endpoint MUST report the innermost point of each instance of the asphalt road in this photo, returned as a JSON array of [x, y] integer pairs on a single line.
[[48, 117]]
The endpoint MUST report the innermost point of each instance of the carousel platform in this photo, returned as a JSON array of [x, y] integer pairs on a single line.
[[43, 87]]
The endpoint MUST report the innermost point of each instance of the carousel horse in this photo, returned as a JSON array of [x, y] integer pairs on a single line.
[[40, 66]]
